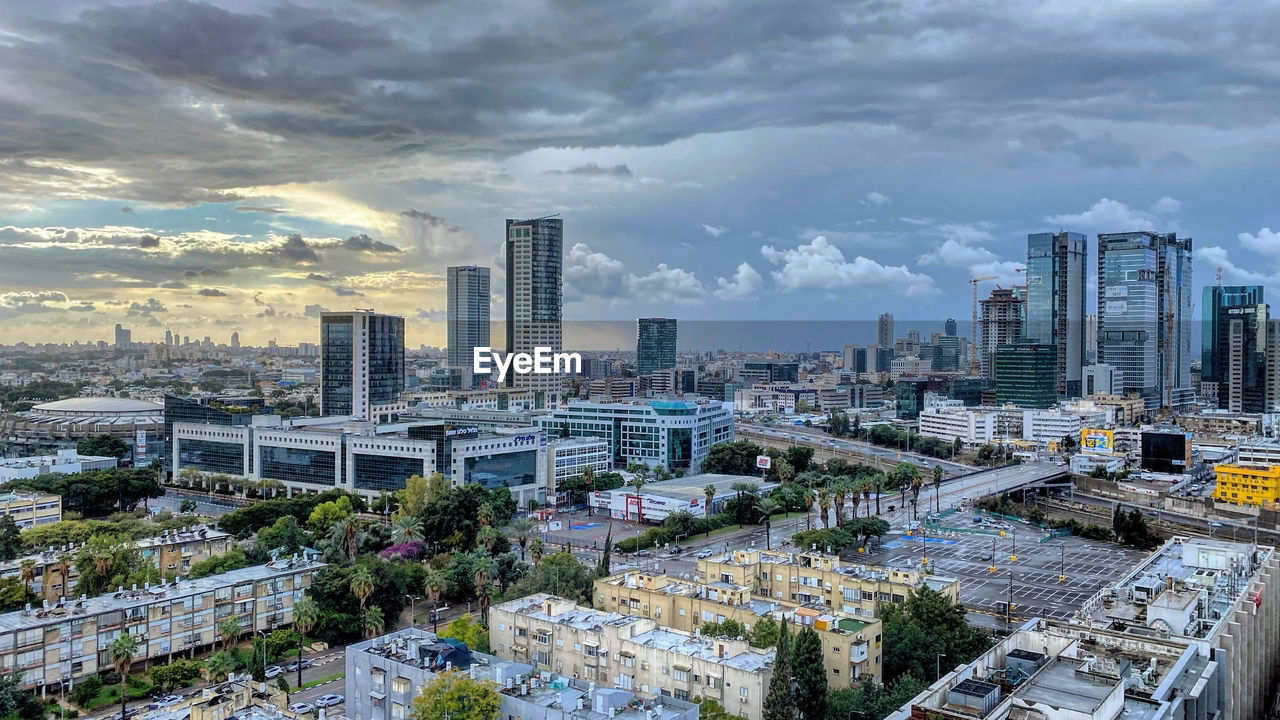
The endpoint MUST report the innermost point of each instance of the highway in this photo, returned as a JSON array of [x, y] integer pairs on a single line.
[[785, 435]]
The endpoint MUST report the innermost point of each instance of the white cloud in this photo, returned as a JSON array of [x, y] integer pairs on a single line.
[[1107, 215], [1215, 256], [666, 284], [744, 283], [1166, 206], [821, 265], [1267, 241], [587, 272], [714, 230], [954, 252], [876, 199]]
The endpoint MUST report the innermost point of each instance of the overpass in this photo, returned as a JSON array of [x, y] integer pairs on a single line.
[[783, 436]]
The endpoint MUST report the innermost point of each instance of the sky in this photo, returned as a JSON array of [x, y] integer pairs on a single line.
[[243, 165]]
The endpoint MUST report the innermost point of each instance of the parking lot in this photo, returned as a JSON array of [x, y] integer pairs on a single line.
[[1037, 592]]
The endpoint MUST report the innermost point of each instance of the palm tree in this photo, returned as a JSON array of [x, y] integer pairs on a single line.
[[406, 528], [709, 493], [305, 614], [523, 528], [434, 585], [373, 622], [937, 487], [839, 492], [27, 572], [122, 650], [588, 478], [824, 505], [362, 585], [639, 482], [487, 539], [859, 488], [807, 497], [228, 630], [536, 550], [484, 514], [221, 664], [484, 570], [349, 530], [877, 482], [768, 507]]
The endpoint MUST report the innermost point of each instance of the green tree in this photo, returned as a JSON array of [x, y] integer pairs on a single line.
[[122, 651], [413, 498], [327, 514], [187, 506], [523, 529], [780, 700], [406, 528], [179, 673], [220, 665], [233, 559], [87, 689], [228, 631], [764, 633], [810, 674], [305, 615], [800, 456], [285, 535], [708, 494], [374, 622], [16, 702], [466, 629], [926, 624], [10, 538], [362, 585], [559, 574], [103, 446], [602, 567], [455, 696]]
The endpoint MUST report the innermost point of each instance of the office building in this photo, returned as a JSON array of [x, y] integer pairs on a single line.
[[1273, 366], [124, 337], [949, 327], [235, 341], [384, 674], [655, 345], [658, 499], [675, 434], [65, 462], [884, 330], [570, 458], [1240, 484], [910, 393], [1233, 345], [631, 653], [70, 640], [1001, 323], [1026, 375], [1100, 379], [851, 646], [467, 300], [753, 372], [534, 252], [361, 365], [1055, 301], [972, 426], [1144, 314], [945, 354]]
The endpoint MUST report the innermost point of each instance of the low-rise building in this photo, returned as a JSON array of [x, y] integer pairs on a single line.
[[817, 578], [653, 502], [69, 640], [571, 457], [64, 462], [851, 647], [972, 426], [1241, 484], [31, 509], [384, 674], [631, 653], [675, 434], [1128, 408], [1223, 423]]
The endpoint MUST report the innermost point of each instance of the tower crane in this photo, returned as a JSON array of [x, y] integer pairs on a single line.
[[973, 355]]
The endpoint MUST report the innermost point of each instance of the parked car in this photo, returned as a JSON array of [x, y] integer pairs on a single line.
[[329, 700], [164, 701], [293, 666], [643, 553], [302, 708], [272, 671], [706, 553]]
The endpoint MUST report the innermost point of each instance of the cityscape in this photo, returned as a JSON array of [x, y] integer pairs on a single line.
[[400, 361]]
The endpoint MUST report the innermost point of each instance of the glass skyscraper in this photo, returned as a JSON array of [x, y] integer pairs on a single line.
[[1144, 314], [1233, 345], [361, 362], [655, 345], [534, 252], [468, 310], [1055, 301]]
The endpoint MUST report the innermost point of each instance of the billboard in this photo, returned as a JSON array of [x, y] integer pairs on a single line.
[[763, 462], [140, 448], [1096, 440]]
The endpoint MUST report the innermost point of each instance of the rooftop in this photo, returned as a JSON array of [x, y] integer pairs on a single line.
[[167, 537], [125, 599], [98, 405], [1065, 683]]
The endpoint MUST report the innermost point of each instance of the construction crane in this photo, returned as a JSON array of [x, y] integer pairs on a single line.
[[973, 356]]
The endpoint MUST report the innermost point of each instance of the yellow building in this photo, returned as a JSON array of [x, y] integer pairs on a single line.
[[1247, 485], [851, 647], [814, 578]]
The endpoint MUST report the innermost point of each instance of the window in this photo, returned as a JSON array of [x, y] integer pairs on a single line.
[[401, 685], [742, 692], [681, 675], [713, 681], [397, 711]]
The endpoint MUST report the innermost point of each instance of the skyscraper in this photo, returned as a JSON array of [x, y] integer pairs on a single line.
[[468, 311], [1000, 324], [1144, 313], [1024, 374], [361, 364], [1055, 301], [1273, 365], [1233, 345], [655, 345], [124, 337], [235, 341], [534, 260], [949, 327], [884, 330], [168, 337]]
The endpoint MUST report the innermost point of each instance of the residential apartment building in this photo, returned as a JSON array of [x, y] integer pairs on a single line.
[[1226, 424], [384, 674], [851, 647], [675, 434], [884, 330], [972, 426], [31, 509], [64, 462], [817, 578], [69, 640], [172, 553], [631, 653]]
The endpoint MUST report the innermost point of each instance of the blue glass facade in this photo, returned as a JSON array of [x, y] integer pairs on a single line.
[[315, 467], [509, 469], [212, 456], [1233, 340], [1055, 301], [384, 472]]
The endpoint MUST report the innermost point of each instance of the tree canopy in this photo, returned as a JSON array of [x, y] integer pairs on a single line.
[[95, 493], [453, 695]]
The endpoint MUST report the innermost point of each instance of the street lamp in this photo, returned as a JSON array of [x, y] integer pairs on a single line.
[[413, 618], [939, 665], [263, 633]]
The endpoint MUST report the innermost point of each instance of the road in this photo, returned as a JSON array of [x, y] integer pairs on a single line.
[[172, 500], [799, 435]]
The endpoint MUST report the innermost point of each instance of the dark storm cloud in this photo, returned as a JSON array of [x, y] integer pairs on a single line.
[[364, 243], [592, 170], [211, 292], [308, 93], [148, 241], [150, 307], [296, 249], [317, 277]]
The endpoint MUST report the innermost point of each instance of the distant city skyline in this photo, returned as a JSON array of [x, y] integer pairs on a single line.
[[876, 159]]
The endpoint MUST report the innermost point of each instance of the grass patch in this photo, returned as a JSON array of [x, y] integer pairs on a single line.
[[325, 679]]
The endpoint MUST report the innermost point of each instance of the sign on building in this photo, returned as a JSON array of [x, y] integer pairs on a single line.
[[1096, 440], [764, 462]]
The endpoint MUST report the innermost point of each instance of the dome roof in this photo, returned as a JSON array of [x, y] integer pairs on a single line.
[[98, 406]]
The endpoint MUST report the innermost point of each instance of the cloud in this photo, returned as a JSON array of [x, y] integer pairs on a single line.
[[313, 311], [147, 309], [432, 315], [148, 241], [364, 243], [345, 291], [127, 210], [430, 220], [1215, 256], [594, 170], [587, 272], [1105, 216], [1166, 206], [876, 199], [174, 285], [32, 301], [820, 265], [258, 209], [296, 249], [211, 292], [714, 230], [317, 277], [82, 307], [1266, 241], [744, 284], [666, 284]]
